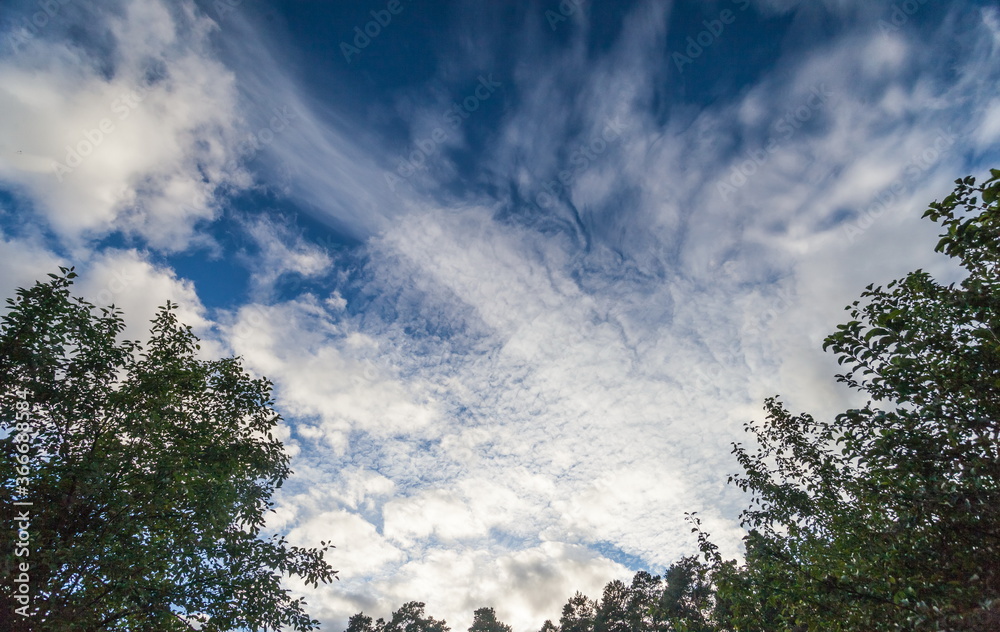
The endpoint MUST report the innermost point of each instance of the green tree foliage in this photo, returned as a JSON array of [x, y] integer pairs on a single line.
[[578, 614], [612, 611], [361, 623], [687, 596], [485, 620], [149, 472], [548, 626], [888, 516], [409, 618], [682, 603], [643, 602]]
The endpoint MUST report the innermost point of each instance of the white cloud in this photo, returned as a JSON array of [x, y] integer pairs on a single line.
[[988, 133], [361, 550], [281, 251], [124, 278], [139, 140], [432, 513], [522, 585], [320, 158], [127, 279], [325, 375], [24, 261]]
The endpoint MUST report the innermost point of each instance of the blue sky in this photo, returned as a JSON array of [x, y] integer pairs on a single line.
[[518, 270]]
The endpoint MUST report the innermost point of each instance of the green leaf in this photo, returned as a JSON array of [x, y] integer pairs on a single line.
[[157, 471]]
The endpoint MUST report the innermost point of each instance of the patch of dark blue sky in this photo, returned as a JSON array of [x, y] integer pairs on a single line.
[[714, 50], [14, 209]]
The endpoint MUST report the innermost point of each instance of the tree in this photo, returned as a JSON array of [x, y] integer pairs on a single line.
[[548, 626], [485, 620], [888, 516], [644, 595], [410, 618], [361, 623], [687, 596], [578, 614], [148, 473], [612, 611]]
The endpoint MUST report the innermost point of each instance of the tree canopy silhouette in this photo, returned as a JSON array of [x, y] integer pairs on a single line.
[[887, 517], [140, 476]]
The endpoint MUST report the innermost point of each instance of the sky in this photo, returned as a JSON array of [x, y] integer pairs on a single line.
[[519, 270]]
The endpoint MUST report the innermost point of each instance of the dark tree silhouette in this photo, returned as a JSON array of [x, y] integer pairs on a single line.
[[143, 474]]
